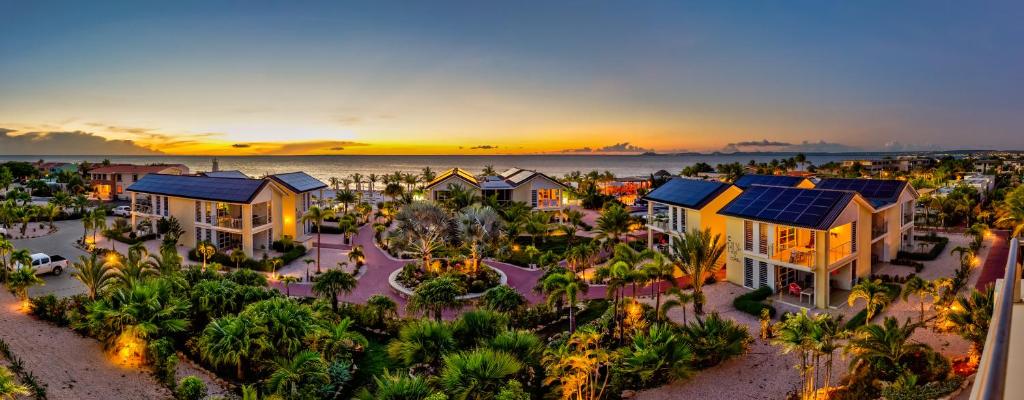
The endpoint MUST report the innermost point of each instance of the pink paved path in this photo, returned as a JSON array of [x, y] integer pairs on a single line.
[[995, 263]]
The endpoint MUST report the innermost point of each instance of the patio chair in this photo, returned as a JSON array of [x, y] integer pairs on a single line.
[[794, 289]]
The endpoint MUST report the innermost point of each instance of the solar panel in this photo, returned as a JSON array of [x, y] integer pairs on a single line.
[[232, 190], [791, 206], [299, 181], [746, 181], [878, 192], [691, 193]]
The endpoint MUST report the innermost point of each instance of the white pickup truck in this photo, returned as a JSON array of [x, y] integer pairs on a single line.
[[43, 263]]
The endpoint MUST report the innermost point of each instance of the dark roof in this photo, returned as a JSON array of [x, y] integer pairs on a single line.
[[746, 181], [225, 174], [231, 190], [298, 182], [689, 193], [878, 192], [808, 208], [457, 172]]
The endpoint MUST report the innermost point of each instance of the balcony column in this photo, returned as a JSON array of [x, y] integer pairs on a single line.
[[821, 281], [650, 220], [132, 213], [247, 229]]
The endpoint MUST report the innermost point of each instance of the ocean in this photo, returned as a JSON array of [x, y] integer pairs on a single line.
[[324, 167]]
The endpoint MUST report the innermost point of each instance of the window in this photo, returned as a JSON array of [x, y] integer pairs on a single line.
[[199, 212], [762, 238], [748, 272], [748, 236], [682, 220], [199, 235], [785, 238], [853, 236], [533, 198], [165, 206], [762, 274]]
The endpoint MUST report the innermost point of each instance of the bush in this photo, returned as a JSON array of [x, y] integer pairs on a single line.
[[939, 244], [190, 388], [751, 303], [930, 390], [161, 353], [50, 308], [131, 238], [918, 267], [714, 339]]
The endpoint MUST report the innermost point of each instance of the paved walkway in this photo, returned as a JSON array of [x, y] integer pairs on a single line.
[[995, 264], [71, 366]]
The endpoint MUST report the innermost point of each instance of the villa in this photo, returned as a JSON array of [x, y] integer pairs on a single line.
[[109, 182], [804, 244], [683, 204], [892, 222], [749, 180], [540, 191], [231, 213]]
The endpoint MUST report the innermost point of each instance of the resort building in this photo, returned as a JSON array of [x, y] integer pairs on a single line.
[[683, 204], [47, 168], [108, 182], [749, 180], [531, 187], [625, 189], [892, 219], [225, 174], [807, 245], [231, 213]]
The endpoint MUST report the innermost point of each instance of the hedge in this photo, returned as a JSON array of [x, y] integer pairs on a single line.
[[751, 303], [940, 245], [120, 237], [249, 263]]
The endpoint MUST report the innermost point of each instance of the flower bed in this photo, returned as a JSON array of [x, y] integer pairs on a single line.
[[411, 276]]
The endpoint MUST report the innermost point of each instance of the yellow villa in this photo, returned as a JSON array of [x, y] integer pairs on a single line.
[[231, 213], [537, 190], [892, 222], [682, 204], [807, 245]]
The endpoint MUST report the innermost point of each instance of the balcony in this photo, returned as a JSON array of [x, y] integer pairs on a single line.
[[880, 229], [839, 252], [803, 256], [260, 220], [143, 208], [660, 224], [228, 222], [1001, 357]]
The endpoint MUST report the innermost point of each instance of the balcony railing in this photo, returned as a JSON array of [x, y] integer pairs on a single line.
[[143, 209], [797, 255], [879, 229], [990, 383], [659, 223], [259, 220], [838, 252], [228, 222]]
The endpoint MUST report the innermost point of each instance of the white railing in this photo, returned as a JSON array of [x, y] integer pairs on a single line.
[[990, 383]]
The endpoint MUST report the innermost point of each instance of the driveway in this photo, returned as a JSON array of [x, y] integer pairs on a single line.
[[60, 243]]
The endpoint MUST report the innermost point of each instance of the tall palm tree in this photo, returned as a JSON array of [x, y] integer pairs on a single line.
[[479, 228], [477, 374], [489, 170], [677, 298], [98, 221], [616, 277], [393, 190], [372, 179], [97, 275], [614, 222], [237, 256], [231, 340], [421, 228], [659, 270], [886, 347], [564, 288], [333, 283], [345, 197], [916, 286], [537, 223], [357, 179], [697, 254], [794, 336], [633, 261], [1012, 211], [50, 212], [6, 248], [357, 256], [334, 181], [874, 294], [971, 317], [317, 215], [427, 175]]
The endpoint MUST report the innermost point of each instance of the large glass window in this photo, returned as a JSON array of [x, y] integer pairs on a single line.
[[785, 238]]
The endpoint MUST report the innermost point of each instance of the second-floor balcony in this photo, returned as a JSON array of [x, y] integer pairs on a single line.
[[260, 220], [804, 256], [143, 208], [228, 222], [879, 230], [839, 252]]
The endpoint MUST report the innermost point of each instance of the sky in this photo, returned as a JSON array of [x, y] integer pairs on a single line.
[[484, 77]]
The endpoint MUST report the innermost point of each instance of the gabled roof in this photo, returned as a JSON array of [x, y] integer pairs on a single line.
[[807, 208], [457, 172], [230, 190], [225, 174], [878, 192], [689, 193], [133, 169], [746, 181], [298, 182]]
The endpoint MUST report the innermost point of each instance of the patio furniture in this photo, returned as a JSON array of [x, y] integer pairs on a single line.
[[794, 289], [809, 292]]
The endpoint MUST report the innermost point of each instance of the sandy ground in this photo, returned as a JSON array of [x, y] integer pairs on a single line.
[[71, 366]]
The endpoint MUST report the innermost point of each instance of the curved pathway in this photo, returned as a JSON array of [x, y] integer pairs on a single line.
[[71, 366]]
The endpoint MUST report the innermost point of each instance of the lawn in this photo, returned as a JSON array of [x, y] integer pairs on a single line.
[[555, 244]]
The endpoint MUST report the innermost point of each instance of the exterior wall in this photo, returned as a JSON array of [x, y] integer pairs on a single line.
[[442, 186], [709, 216], [806, 184], [524, 192]]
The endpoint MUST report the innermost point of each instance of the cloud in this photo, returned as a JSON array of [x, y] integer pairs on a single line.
[[484, 147], [624, 147], [806, 146], [241, 145], [763, 142], [66, 143], [337, 148], [299, 148]]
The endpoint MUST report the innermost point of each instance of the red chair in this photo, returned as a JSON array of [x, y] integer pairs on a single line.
[[794, 289]]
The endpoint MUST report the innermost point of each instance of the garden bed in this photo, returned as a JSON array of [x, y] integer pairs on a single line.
[[406, 285]]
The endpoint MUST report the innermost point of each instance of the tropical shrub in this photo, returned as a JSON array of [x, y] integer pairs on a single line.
[[422, 342], [752, 302], [478, 326], [503, 299], [190, 388], [714, 339], [656, 356], [477, 374]]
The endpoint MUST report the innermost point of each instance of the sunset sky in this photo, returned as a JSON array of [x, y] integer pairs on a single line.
[[485, 77]]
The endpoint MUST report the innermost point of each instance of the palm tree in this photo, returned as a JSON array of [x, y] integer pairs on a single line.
[[794, 335], [537, 223], [885, 347], [633, 261], [381, 307], [98, 221], [346, 197], [205, 250], [971, 317], [616, 277], [479, 228], [237, 256], [577, 366], [679, 298], [333, 283], [421, 228], [136, 313], [95, 275], [288, 280], [317, 215], [614, 222], [874, 294], [9, 387], [1012, 211], [334, 182], [564, 288], [231, 340], [477, 374], [6, 248], [422, 341], [299, 377], [23, 277], [339, 340], [372, 179], [357, 256], [397, 386], [915, 286], [489, 170], [393, 190], [357, 179], [657, 271], [697, 254], [50, 212], [436, 295], [427, 174]]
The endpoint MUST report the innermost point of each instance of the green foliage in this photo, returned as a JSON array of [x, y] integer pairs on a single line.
[[753, 302], [398, 386], [478, 326], [477, 374], [503, 299], [928, 391], [300, 377], [422, 342], [147, 310], [339, 377], [190, 388], [656, 356], [436, 295], [714, 339], [161, 354]]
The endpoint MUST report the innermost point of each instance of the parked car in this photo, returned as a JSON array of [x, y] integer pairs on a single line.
[[48, 264], [122, 211], [3, 232]]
